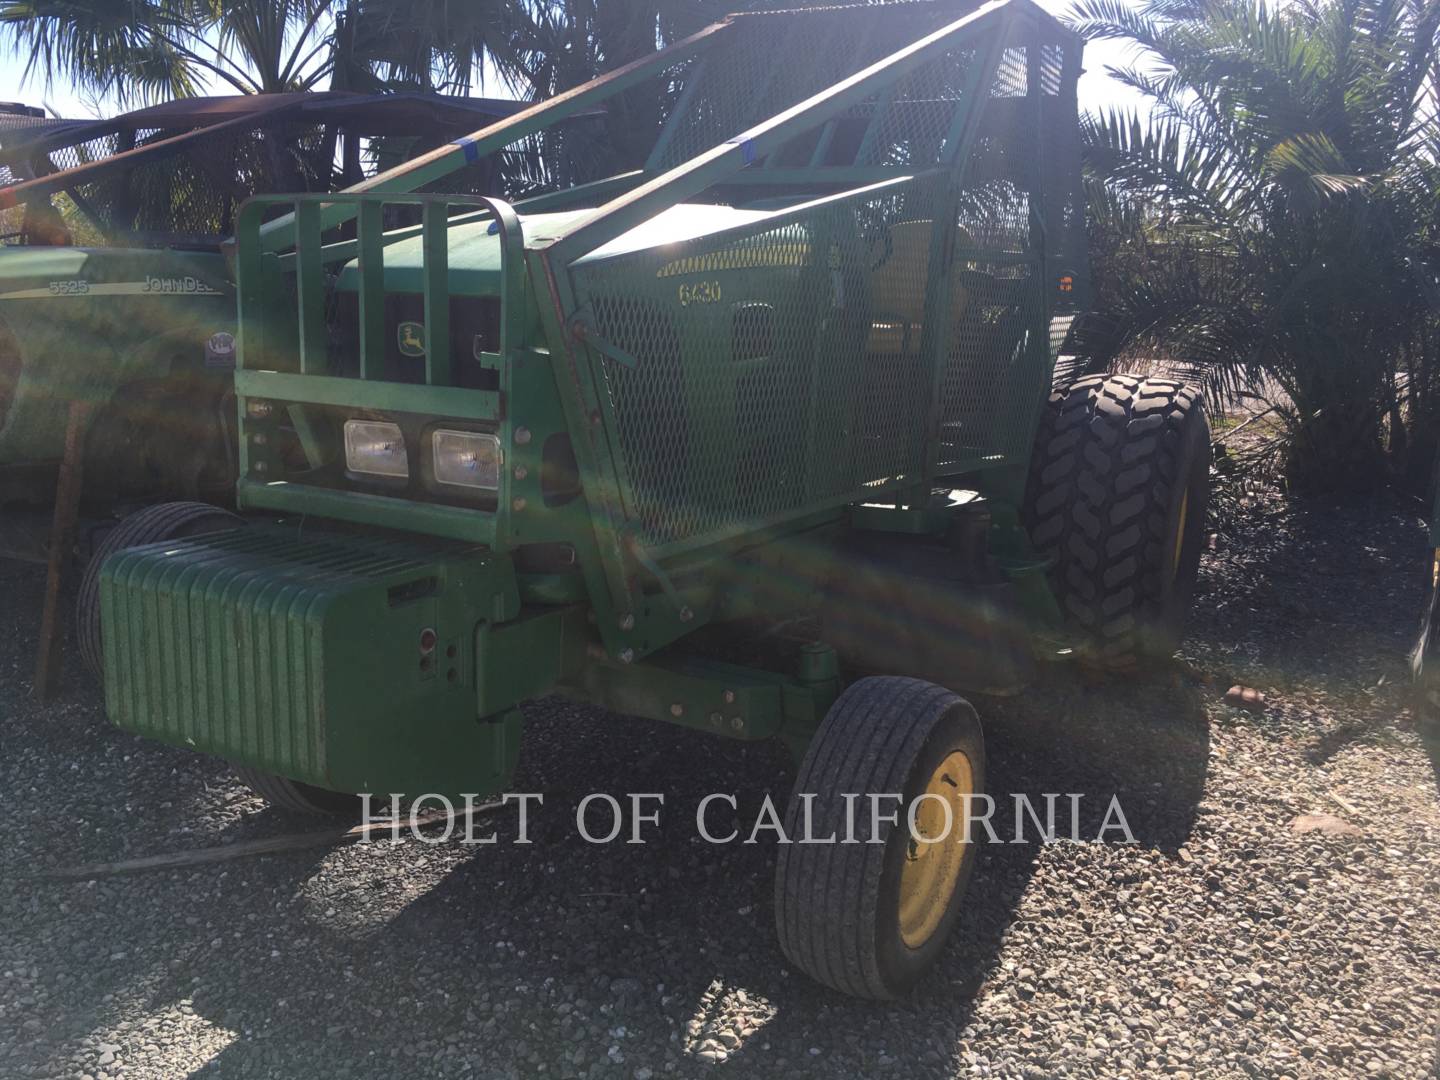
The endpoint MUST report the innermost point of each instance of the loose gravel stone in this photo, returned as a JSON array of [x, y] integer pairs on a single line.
[[1220, 943]]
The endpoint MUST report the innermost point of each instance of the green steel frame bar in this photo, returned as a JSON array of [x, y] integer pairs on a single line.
[[720, 164], [956, 155], [444, 160], [733, 156], [311, 256]]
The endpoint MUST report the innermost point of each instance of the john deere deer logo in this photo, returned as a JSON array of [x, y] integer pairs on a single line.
[[410, 336]]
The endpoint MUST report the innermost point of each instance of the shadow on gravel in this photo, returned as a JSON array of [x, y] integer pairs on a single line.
[[1302, 597], [338, 962], [661, 937], [1430, 739]]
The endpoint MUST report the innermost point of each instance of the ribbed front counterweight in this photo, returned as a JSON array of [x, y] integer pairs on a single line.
[[301, 653]]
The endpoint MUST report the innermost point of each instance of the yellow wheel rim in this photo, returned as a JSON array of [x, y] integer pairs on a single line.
[[936, 851], [1180, 533]]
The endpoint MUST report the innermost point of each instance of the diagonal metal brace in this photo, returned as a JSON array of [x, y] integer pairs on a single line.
[[654, 569], [584, 330]]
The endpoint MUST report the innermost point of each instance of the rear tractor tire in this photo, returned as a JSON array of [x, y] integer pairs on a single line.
[[1117, 495], [163, 521], [291, 795], [869, 918]]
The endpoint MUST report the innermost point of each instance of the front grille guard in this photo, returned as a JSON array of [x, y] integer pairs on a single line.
[[283, 345]]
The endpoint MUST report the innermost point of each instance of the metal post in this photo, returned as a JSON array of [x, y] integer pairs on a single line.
[[62, 532]]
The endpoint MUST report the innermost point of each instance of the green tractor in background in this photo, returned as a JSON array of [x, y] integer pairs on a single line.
[[800, 363], [117, 304]]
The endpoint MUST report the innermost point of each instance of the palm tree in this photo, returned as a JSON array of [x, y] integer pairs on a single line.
[[156, 49], [1272, 220], [533, 49], [559, 44]]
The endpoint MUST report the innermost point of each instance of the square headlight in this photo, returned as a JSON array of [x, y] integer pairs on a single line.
[[376, 448], [468, 459]]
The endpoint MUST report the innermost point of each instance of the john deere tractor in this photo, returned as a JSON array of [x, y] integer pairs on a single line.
[[796, 367]]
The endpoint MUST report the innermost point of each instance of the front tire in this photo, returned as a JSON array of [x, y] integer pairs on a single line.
[[291, 795], [163, 521], [869, 918], [1117, 495]]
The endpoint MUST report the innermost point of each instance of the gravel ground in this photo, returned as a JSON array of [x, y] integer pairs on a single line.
[[1221, 943]]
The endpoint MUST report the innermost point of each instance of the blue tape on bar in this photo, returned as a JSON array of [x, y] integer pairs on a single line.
[[747, 148], [467, 144]]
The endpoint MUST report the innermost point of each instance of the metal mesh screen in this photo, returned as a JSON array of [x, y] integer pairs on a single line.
[[770, 62], [801, 361], [778, 365], [194, 191], [1013, 210], [27, 163], [918, 116], [19, 135]]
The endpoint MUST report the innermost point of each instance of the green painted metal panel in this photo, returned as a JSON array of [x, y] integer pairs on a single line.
[[358, 394], [299, 653], [83, 322], [364, 508]]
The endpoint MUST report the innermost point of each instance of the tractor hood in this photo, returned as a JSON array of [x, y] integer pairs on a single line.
[[38, 273], [475, 246]]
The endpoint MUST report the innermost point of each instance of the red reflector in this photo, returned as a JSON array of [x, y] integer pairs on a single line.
[[427, 640]]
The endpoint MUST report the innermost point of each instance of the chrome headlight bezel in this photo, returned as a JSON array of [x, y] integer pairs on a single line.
[[376, 459], [450, 470]]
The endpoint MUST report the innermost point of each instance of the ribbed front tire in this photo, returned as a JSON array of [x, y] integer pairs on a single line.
[[867, 919], [1117, 495], [163, 521], [291, 795]]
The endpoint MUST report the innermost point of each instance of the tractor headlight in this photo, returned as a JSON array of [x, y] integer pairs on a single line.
[[376, 449], [468, 459]]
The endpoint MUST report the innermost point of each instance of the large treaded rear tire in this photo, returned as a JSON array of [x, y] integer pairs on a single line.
[[838, 905], [295, 797], [1117, 497], [163, 521]]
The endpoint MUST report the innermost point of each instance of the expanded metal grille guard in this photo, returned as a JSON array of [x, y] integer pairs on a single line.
[[28, 163], [187, 190], [195, 191], [19, 132], [827, 354], [756, 403]]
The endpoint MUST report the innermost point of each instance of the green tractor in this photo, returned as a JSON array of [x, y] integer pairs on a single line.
[[796, 367]]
